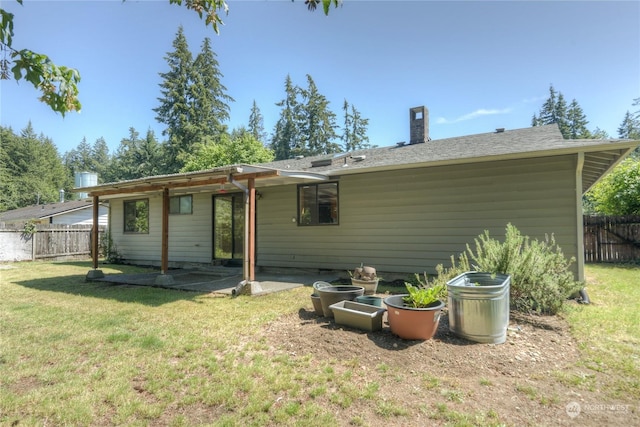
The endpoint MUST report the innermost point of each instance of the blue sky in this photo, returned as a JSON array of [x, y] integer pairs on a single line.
[[476, 65]]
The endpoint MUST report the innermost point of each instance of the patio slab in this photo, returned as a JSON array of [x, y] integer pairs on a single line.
[[219, 281]]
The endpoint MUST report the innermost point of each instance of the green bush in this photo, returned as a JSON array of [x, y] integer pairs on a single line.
[[540, 277]]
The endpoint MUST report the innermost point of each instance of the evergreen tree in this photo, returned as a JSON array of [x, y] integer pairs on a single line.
[[194, 101], [33, 168], [286, 136], [354, 136], [577, 122], [318, 127], [561, 116], [256, 123], [136, 157], [79, 159], [208, 95], [599, 134], [571, 120], [175, 109], [101, 158], [547, 114], [628, 126]]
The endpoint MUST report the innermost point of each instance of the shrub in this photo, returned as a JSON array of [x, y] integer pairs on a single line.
[[540, 277]]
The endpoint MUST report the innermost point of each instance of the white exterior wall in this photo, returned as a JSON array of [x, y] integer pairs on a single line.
[[190, 236], [411, 220]]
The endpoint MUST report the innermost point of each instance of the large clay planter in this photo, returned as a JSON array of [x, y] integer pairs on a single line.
[[333, 294], [412, 323]]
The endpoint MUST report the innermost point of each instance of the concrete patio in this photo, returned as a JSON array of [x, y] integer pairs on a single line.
[[220, 280]]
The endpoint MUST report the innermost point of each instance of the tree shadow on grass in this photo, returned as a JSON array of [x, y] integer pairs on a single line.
[[76, 285]]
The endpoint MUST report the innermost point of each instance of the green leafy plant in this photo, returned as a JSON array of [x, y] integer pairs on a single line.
[[109, 249], [30, 228], [424, 296]]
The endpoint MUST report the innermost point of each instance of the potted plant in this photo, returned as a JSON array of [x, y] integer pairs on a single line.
[[416, 315], [366, 277]]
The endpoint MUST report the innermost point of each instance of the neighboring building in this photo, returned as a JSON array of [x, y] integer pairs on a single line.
[[402, 208], [76, 212]]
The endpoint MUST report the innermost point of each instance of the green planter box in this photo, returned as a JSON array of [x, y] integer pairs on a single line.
[[361, 316]]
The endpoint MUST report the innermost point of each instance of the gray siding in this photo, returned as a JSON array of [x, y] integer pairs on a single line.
[[190, 236], [411, 220]]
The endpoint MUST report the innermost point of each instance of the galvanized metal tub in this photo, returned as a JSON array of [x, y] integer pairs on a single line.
[[479, 306]]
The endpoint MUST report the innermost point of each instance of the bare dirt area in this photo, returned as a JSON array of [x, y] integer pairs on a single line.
[[525, 381]]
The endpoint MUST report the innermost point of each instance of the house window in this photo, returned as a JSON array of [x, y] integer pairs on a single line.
[[136, 216], [318, 204], [181, 205]]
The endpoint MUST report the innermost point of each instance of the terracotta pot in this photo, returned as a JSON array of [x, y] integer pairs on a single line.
[[412, 323]]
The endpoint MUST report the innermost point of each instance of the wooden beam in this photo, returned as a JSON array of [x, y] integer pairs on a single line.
[[94, 231], [158, 187], [165, 232], [256, 175]]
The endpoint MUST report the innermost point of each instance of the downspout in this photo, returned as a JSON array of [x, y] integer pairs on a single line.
[[584, 297]]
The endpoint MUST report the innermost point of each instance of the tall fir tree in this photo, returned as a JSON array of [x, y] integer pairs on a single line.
[[561, 116], [286, 136], [354, 135], [175, 109], [208, 95], [256, 123], [577, 122], [194, 103], [571, 120], [318, 127], [547, 114]]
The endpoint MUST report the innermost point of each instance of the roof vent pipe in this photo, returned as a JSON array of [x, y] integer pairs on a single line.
[[61, 192]]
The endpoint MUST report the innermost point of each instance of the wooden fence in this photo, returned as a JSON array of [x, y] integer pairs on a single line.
[[47, 242], [612, 238]]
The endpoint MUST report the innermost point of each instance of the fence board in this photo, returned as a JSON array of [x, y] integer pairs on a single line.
[[49, 241], [612, 238]]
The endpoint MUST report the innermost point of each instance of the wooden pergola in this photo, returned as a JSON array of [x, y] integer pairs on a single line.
[[202, 180]]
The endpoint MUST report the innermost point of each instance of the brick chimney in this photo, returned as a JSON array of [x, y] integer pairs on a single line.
[[419, 125]]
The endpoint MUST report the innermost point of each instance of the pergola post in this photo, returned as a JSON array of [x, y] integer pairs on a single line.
[[252, 229], [95, 273], [164, 278]]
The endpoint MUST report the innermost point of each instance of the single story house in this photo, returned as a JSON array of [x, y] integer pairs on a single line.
[[403, 208], [77, 212]]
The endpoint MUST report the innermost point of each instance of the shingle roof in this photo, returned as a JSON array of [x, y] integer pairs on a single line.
[[43, 211], [537, 141]]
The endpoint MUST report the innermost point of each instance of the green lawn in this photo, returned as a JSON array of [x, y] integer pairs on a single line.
[[77, 353], [608, 330]]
